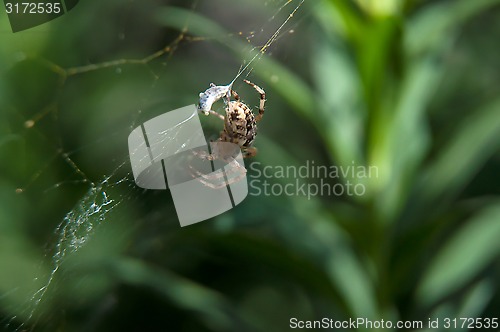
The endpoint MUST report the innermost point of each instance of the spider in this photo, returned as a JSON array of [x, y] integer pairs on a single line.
[[240, 123], [240, 128]]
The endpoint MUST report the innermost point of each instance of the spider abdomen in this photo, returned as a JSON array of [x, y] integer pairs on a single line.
[[240, 126]]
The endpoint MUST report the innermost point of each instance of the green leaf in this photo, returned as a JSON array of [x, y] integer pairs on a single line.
[[474, 142], [341, 104], [432, 26], [342, 17], [464, 255], [209, 305], [401, 142]]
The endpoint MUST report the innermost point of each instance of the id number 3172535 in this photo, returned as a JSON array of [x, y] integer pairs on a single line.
[[33, 8]]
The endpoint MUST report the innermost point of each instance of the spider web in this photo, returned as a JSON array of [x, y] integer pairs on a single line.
[[105, 196]]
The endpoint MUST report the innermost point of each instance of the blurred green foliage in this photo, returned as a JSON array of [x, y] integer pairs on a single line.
[[410, 87]]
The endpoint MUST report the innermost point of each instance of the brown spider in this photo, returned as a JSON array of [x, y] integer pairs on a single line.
[[240, 128], [240, 123]]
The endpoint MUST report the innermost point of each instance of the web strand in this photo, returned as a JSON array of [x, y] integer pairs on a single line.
[[270, 41]]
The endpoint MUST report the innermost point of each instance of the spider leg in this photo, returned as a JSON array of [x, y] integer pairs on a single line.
[[262, 99], [217, 180], [204, 155], [249, 152], [220, 116], [235, 166], [235, 169], [235, 95], [230, 181]]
